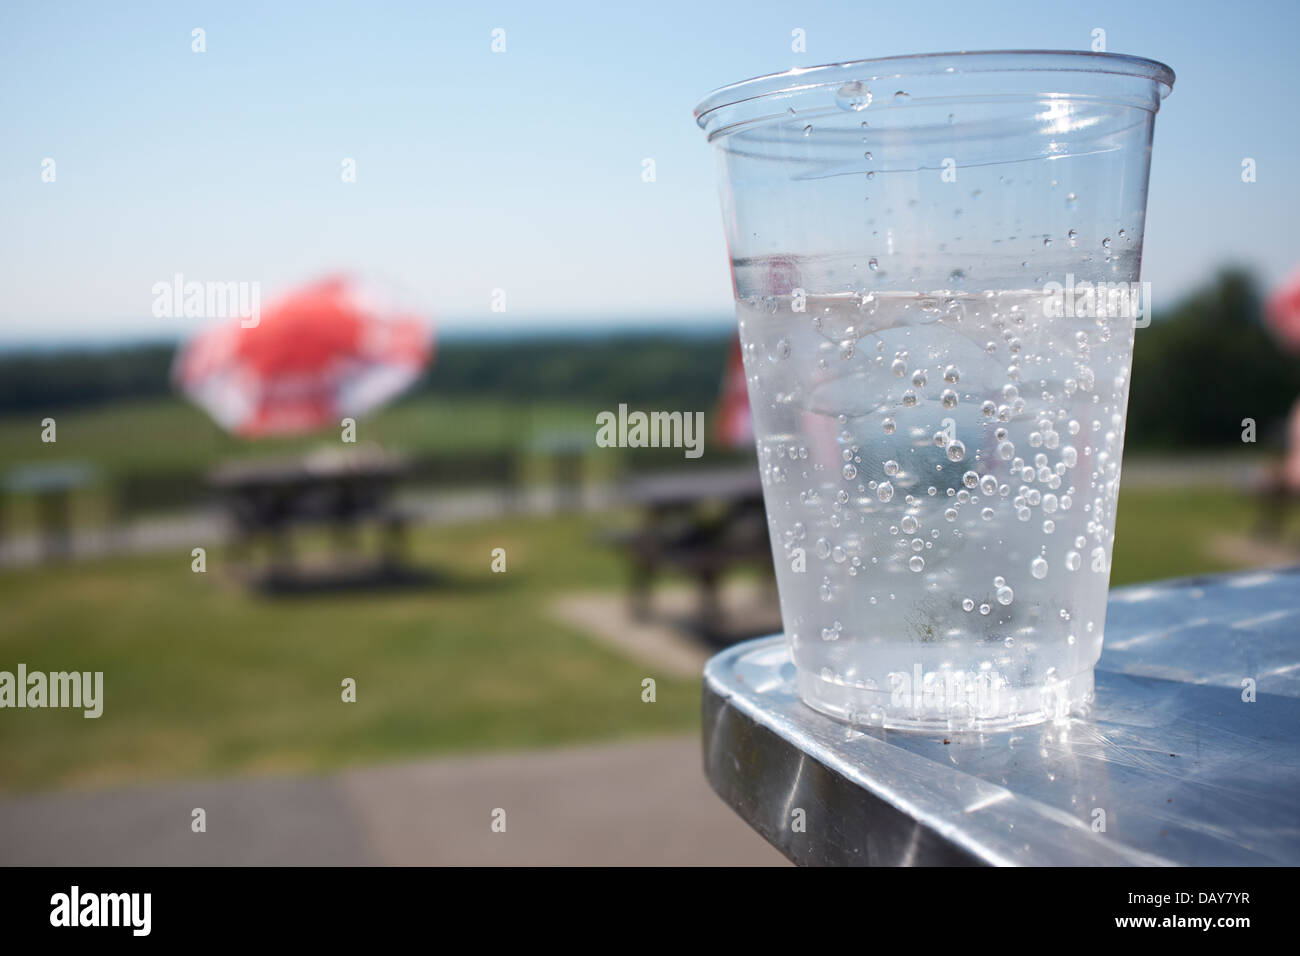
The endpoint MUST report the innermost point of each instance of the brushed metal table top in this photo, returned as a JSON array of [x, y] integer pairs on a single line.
[[1174, 766]]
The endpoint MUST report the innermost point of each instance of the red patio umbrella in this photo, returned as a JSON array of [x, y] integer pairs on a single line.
[[734, 427], [329, 350], [1283, 310]]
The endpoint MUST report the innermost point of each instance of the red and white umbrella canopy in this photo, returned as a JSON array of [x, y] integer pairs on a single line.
[[735, 423], [1283, 311], [326, 351]]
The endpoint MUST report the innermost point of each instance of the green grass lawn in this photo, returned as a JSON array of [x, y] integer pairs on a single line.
[[167, 434], [202, 677]]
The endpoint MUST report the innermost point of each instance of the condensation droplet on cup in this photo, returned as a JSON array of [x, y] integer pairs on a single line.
[[853, 96]]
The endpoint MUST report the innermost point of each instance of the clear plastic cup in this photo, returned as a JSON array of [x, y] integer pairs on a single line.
[[936, 262]]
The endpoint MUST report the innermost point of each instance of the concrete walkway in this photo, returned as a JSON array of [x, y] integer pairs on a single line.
[[635, 803]]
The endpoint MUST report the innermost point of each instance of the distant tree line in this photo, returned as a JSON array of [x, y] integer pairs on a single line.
[[1207, 364], [1198, 370]]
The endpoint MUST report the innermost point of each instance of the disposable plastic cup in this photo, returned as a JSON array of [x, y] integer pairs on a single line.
[[936, 269]]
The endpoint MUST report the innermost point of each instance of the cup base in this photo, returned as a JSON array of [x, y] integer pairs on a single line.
[[970, 709]]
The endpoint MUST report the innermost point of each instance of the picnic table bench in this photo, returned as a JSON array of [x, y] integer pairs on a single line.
[[340, 489], [51, 486], [702, 524]]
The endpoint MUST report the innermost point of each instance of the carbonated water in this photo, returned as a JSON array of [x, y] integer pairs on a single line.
[[940, 473]]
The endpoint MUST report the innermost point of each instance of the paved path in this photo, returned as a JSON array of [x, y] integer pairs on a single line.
[[634, 803], [666, 640]]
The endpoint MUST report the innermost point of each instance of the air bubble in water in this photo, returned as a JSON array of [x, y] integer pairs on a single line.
[[917, 563], [970, 479], [909, 398], [1038, 568], [956, 451], [898, 367], [1073, 560], [1005, 595], [950, 375], [918, 379], [967, 604], [889, 425], [908, 524], [884, 491], [850, 472], [948, 399], [989, 485]]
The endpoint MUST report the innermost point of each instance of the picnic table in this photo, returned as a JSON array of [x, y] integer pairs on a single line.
[[701, 523], [51, 486], [342, 489], [1191, 754]]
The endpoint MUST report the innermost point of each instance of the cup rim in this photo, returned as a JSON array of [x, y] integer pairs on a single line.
[[800, 79]]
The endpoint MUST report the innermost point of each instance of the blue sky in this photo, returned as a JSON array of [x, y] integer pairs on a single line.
[[522, 170]]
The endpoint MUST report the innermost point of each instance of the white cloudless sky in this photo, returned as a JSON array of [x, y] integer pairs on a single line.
[[522, 171]]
